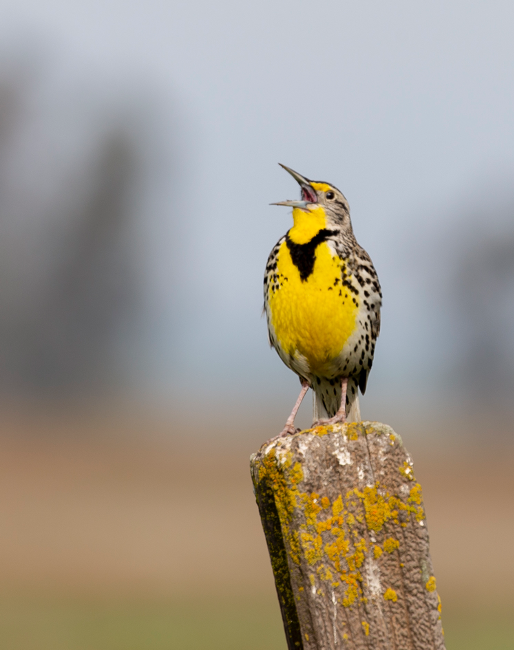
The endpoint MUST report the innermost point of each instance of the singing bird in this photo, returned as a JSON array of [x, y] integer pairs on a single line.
[[322, 300]]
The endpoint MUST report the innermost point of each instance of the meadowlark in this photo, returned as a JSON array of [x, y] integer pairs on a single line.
[[322, 300]]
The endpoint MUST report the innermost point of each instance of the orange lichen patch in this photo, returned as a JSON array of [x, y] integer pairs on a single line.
[[321, 430], [337, 506], [294, 544], [390, 594], [415, 495], [416, 498], [325, 502], [430, 586], [312, 547], [325, 573], [391, 544], [285, 497], [311, 507], [377, 552], [353, 430], [337, 550], [321, 526], [356, 560], [350, 595], [294, 554], [296, 474], [397, 505], [377, 508], [365, 625]]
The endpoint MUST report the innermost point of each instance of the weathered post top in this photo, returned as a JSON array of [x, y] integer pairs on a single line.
[[345, 526]]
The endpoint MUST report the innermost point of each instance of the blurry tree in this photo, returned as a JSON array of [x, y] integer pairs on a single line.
[[67, 265], [482, 296]]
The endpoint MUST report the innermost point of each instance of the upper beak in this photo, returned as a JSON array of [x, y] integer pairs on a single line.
[[308, 192], [298, 177]]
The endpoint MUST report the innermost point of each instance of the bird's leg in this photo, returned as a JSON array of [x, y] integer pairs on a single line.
[[340, 416], [289, 427]]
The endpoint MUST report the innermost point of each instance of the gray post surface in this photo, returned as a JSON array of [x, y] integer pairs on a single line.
[[346, 531]]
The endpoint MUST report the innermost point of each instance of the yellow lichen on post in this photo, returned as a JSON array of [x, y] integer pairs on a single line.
[[391, 545], [390, 594], [349, 515], [431, 586]]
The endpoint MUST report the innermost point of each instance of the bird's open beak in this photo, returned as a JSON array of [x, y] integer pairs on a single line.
[[308, 192]]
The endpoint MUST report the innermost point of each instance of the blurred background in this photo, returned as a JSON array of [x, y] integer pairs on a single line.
[[139, 145]]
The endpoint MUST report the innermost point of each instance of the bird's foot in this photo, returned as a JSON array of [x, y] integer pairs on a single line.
[[288, 430]]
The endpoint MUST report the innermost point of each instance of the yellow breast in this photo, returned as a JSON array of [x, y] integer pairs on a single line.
[[316, 316]]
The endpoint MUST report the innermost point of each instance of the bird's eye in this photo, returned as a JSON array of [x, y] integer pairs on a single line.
[[330, 195]]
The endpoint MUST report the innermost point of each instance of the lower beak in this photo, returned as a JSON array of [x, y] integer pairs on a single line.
[[294, 204]]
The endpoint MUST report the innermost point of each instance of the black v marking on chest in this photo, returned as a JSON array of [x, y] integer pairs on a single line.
[[304, 255]]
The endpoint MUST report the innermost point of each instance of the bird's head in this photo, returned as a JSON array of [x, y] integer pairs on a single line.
[[321, 206]]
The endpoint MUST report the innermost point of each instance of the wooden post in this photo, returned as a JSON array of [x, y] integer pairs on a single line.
[[345, 525]]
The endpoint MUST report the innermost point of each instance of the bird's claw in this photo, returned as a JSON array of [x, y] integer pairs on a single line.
[[288, 430]]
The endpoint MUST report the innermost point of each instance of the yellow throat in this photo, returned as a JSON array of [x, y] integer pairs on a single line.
[[307, 224]]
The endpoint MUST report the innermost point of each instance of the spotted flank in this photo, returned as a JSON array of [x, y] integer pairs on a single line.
[[322, 300]]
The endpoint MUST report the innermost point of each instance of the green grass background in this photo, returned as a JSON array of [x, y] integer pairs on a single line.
[[242, 624]]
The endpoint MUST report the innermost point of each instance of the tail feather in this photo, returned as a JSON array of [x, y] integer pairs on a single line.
[[319, 412], [327, 399], [353, 413]]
